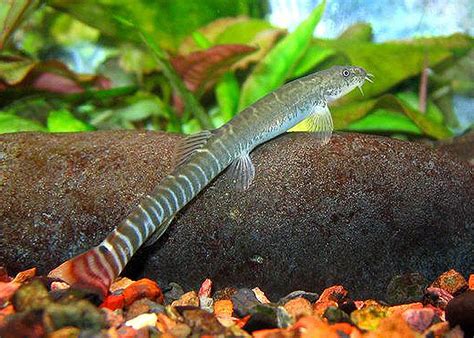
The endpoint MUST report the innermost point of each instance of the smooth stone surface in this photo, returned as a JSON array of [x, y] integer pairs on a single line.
[[355, 212]]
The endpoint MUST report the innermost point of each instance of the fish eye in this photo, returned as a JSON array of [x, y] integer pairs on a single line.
[[345, 73]]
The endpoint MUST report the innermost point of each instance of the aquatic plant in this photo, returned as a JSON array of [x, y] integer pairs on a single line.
[[206, 66]]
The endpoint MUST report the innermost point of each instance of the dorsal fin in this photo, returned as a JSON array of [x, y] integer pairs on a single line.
[[189, 145]]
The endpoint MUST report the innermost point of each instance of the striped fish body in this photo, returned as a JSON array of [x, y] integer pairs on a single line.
[[270, 116]]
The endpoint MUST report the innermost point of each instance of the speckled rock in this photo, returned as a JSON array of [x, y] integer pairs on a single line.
[[356, 211]]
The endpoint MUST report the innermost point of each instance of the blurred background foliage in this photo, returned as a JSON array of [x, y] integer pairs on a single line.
[[183, 66]]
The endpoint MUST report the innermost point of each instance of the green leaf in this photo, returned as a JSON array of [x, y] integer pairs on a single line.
[[242, 32], [201, 40], [11, 123], [14, 69], [390, 63], [272, 71], [227, 95], [12, 13], [412, 100], [168, 22], [383, 120], [191, 127], [63, 121], [345, 114], [429, 124], [314, 56], [457, 43], [360, 31], [67, 31], [139, 110]]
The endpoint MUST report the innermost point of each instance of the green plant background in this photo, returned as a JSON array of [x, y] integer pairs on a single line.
[[183, 66]]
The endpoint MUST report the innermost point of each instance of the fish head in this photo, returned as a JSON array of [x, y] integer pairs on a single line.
[[337, 81]]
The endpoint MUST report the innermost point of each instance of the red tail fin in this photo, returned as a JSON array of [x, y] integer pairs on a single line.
[[90, 270]]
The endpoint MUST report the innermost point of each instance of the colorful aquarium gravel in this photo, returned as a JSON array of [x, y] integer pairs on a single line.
[[35, 306]]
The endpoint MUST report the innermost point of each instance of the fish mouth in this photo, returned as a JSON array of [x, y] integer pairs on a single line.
[[368, 77]]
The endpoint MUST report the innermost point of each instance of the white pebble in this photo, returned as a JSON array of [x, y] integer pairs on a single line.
[[143, 320]]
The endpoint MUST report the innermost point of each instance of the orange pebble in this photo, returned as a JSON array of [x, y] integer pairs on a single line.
[[164, 323], [307, 323], [113, 302], [344, 327], [242, 321], [399, 309], [223, 307], [321, 305], [23, 276], [471, 281], [335, 293], [143, 288], [311, 326], [298, 307], [6, 311]]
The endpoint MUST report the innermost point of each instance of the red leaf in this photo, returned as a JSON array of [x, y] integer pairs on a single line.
[[200, 70], [51, 82], [52, 76]]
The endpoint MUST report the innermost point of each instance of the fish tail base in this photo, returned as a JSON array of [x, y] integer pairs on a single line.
[[90, 270]]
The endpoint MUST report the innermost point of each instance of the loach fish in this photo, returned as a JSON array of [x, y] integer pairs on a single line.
[[203, 156]]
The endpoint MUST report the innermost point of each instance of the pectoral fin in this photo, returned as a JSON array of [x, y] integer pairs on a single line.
[[189, 145], [320, 122], [242, 172], [158, 232]]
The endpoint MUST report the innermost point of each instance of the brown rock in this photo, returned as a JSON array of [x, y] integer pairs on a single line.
[[120, 284], [65, 332], [180, 330], [137, 308], [27, 324], [461, 147], [225, 293], [451, 281], [188, 299], [202, 322], [114, 318], [385, 206], [406, 288]]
